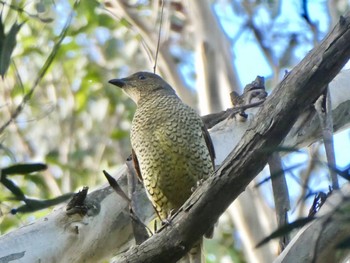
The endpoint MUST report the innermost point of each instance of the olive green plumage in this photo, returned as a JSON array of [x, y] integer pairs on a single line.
[[171, 147], [167, 139]]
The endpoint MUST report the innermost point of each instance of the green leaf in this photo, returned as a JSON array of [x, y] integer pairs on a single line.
[[25, 168], [2, 33], [286, 229], [46, 20], [118, 134], [7, 45], [33, 205]]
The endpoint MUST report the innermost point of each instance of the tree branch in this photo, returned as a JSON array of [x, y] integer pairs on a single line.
[[106, 230], [317, 242], [280, 195], [299, 89]]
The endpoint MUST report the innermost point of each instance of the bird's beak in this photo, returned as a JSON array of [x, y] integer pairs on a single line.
[[118, 82]]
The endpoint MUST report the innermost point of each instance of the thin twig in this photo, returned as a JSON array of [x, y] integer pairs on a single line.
[[305, 176], [323, 108], [159, 35], [281, 196]]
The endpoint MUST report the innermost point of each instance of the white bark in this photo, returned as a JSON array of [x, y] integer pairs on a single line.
[[106, 230], [318, 239], [228, 133], [61, 238], [216, 74]]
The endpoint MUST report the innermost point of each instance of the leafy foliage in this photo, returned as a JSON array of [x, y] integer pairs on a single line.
[[74, 121]]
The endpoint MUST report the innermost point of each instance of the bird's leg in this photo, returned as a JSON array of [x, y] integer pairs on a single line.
[[167, 221]]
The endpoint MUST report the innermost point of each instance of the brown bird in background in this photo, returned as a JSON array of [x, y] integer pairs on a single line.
[[172, 149]]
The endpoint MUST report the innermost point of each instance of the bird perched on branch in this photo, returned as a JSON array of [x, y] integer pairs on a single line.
[[172, 149]]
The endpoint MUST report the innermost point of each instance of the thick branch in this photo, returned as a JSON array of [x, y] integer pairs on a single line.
[[107, 230], [317, 242], [292, 96]]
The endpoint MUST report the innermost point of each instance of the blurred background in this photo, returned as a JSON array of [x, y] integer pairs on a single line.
[[57, 108]]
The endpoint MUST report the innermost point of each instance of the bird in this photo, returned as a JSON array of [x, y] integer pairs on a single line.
[[171, 148]]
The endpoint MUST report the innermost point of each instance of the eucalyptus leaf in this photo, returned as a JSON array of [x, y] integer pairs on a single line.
[[25, 168], [7, 45], [32, 205]]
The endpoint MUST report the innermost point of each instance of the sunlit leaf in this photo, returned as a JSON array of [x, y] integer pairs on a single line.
[[119, 134], [46, 19]]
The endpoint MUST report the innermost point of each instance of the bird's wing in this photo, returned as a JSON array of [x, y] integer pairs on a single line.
[[136, 165], [139, 175], [209, 143]]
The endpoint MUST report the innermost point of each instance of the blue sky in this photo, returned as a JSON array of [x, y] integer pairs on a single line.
[[250, 62]]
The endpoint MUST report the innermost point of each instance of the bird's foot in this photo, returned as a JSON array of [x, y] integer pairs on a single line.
[[166, 222]]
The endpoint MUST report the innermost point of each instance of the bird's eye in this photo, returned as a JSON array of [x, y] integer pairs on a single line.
[[141, 76]]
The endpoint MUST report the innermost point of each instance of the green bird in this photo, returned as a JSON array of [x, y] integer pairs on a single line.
[[171, 147]]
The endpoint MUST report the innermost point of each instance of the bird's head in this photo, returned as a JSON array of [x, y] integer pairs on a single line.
[[143, 85]]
